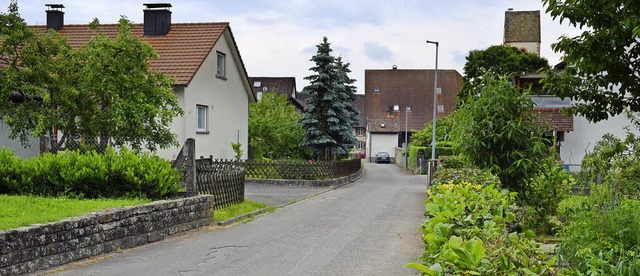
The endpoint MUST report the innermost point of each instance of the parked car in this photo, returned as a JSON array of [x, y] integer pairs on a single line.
[[362, 153], [383, 157]]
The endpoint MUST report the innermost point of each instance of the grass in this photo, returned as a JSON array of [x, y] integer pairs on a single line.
[[235, 210], [20, 211]]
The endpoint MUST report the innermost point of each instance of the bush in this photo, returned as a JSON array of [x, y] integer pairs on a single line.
[[470, 175], [604, 238], [10, 171], [467, 231], [544, 192], [92, 175], [453, 162]]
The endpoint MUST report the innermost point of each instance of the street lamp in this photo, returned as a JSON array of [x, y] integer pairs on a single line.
[[435, 95]]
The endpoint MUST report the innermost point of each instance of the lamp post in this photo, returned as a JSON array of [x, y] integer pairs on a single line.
[[435, 95]]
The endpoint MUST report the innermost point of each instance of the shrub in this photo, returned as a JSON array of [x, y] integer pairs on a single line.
[[604, 238], [544, 192], [92, 175], [467, 231], [10, 170], [470, 175], [453, 162]]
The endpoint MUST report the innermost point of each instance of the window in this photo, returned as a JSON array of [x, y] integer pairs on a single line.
[[201, 126], [220, 72], [360, 145], [257, 83], [439, 90], [440, 108], [396, 108], [360, 131], [376, 90]]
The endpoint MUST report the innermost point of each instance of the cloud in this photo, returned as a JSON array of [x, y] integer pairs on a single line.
[[377, 52]]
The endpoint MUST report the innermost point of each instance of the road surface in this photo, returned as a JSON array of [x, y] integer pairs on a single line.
[[369, 227]]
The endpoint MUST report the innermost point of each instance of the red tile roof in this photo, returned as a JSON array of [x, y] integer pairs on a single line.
[[554, 117], [181, 52]]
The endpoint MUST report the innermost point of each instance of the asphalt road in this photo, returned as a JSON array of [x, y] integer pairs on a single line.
[[369, 227]]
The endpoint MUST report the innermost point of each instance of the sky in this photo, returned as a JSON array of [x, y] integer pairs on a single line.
[[277, 38]]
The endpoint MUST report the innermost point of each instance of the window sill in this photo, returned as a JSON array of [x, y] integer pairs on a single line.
[[202, 132], [221, 77]]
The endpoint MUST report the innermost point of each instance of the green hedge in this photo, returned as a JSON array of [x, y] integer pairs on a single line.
[[89, 175], [469, 175], [414, 150]]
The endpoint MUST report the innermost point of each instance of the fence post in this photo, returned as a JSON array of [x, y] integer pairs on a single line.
[[191, 167]]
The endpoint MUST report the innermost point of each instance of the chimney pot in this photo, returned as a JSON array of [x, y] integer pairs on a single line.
[[55, 16]]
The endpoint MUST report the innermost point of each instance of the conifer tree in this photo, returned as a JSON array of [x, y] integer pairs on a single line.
[[328, 118]]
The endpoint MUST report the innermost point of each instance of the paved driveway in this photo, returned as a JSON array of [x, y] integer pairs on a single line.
[[369, 227]]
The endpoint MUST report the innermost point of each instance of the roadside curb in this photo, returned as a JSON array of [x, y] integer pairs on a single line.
[[273, 208]]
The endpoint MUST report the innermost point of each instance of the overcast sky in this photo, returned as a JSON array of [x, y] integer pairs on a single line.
[[277, 38]]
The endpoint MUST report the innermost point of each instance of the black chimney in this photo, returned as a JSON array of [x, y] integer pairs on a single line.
[[157, 19], [55, 16]]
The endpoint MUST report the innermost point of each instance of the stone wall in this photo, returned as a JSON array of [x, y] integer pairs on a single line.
[[38, 247]]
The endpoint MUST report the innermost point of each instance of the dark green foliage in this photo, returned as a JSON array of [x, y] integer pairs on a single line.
[[500, 60], [329, 117], [602, 66], [495, 131], [10, 170], [91, 175], [468, 175], [274, 130]]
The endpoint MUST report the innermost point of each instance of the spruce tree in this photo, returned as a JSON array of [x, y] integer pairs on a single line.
[[328, 117]]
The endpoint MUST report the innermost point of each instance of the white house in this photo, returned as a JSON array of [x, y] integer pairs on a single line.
[[212, 85]]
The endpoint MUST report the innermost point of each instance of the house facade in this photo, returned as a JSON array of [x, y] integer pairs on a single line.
[[280, 85], [211, 82], [405, 95]]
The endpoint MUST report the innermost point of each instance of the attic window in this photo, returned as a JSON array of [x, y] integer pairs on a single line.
[[257, 83], [221, 64], [382, 125]]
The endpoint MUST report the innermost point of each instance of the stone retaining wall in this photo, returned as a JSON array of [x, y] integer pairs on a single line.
[[38, 247], [310, 183]]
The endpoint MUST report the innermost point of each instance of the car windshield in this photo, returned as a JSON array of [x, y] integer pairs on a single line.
[[383, 154]]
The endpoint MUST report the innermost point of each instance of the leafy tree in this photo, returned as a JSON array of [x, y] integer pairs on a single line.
[[498, 59], [274, 131], [602, 66], [102, 91], [130, 103], [444, 126], [495, 131], [328, 118]]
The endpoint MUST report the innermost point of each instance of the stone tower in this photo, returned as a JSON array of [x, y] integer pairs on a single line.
[[522, 30]]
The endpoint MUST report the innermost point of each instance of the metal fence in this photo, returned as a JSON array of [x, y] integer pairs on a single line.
[[300, 169]]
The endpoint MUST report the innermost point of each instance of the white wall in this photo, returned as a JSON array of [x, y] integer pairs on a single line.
[[381, 142], [18, 149], [586, 134], [228, 102], [532, 47]]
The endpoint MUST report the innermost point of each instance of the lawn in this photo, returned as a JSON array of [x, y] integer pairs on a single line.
[[20, 211], [235, 210]]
